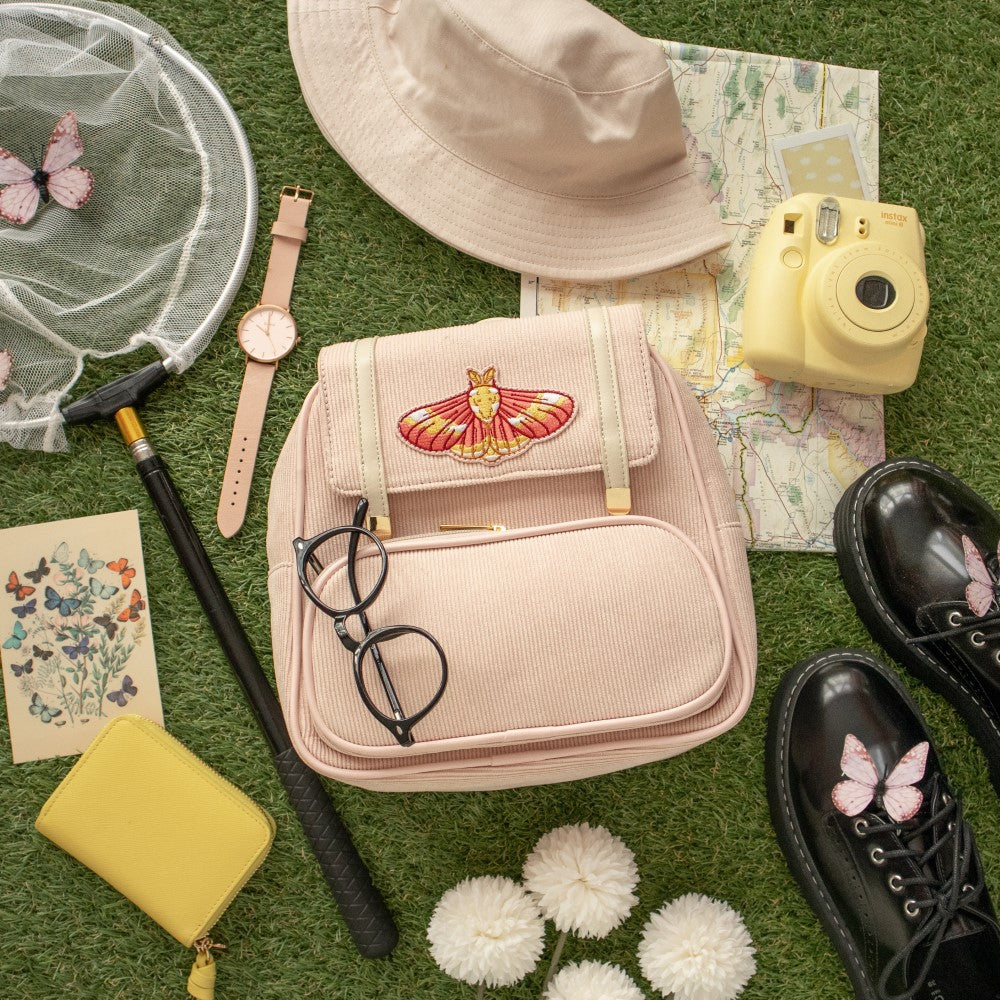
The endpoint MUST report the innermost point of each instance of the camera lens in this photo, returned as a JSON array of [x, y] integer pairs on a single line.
[[875, 292]]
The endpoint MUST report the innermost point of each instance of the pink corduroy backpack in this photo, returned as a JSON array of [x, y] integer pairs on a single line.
[[589, 595]]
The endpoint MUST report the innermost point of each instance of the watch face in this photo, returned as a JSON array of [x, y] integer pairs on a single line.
[[267, 333]]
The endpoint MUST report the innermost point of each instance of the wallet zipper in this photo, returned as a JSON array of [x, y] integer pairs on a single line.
[[201, 981]]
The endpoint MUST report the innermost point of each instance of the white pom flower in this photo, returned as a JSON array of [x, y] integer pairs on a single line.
[[697, 949], [583, 878], [486, 930], [592, 981]]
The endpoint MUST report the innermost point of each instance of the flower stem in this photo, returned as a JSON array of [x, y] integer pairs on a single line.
[[481, 992], [554, 964]]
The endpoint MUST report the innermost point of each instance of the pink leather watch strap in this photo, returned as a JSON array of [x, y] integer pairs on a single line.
[[288, 234], [243, 446]]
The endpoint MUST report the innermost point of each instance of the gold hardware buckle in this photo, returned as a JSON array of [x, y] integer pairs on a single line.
[[297, 193], [380, 526], [619, 501]]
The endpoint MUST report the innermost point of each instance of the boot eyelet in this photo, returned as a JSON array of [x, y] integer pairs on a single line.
[[896, 883], [968, 888], [996, 656], [977, 639], [954, 619], [861, 827], [877, 856], [911, 909], [951, 825]]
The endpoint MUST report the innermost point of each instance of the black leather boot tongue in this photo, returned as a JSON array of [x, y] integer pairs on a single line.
[[961, 966], [970, 607]]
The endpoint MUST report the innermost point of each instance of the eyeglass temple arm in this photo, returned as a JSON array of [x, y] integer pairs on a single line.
[[380, 668], [383, 673]]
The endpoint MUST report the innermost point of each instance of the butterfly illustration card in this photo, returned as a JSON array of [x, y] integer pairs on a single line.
[[76, 646]]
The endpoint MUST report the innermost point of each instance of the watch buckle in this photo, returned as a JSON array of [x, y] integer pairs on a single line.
[[297, 193]]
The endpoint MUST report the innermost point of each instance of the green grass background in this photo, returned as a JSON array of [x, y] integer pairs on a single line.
[[697, 822]]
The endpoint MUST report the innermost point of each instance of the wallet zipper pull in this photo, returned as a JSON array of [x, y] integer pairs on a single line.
[[201, 982]]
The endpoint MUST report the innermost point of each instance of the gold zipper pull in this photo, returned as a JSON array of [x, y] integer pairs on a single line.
[[472, 527], [201, 982]]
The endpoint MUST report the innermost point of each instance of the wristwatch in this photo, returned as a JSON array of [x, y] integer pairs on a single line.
[[267, 333]]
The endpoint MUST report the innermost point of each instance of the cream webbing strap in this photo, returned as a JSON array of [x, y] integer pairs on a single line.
[[614, 455], [369, 439]]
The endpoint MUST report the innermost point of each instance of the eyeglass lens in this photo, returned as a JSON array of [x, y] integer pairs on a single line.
[[396, 668], [345, 593]]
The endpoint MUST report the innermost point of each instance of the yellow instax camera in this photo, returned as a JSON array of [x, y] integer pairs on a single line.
[[837, 296]]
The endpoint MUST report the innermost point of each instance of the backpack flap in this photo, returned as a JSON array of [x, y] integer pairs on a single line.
[[492, 402]]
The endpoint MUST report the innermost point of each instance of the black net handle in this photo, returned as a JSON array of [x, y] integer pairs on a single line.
[[365, 913]]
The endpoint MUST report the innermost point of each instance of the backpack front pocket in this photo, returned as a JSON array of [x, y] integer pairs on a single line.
[[573, 630]]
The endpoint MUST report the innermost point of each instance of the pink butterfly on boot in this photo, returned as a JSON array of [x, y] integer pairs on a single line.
[[983, 589], [26, 186], [896, 793]]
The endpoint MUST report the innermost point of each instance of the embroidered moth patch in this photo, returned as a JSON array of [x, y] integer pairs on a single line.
[[487, 422]]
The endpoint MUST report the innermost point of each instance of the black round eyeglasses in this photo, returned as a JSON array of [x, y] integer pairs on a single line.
[[309, 566]]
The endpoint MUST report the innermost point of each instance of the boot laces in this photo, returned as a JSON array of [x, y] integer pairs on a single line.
[[962, 624], [943, 868]]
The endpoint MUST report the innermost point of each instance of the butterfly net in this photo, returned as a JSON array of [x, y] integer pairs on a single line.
[[157, 253]]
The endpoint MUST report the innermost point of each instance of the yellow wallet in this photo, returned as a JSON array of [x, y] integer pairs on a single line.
[[163, 828]]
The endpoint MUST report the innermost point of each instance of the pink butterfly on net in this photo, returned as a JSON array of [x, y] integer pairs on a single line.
[[26, 186], [863, 785], [984, 588]]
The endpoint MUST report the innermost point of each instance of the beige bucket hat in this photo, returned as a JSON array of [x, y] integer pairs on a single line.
[[540, 135]]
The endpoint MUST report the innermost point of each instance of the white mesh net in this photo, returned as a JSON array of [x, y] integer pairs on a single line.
[[160, 249]]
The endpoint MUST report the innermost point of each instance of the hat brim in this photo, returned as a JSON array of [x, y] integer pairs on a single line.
[[466, 206]]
